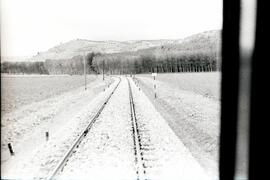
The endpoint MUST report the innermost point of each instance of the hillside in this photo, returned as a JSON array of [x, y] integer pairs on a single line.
[[196, 53], [199, 52], [15, 58], [81, 46], [201, 41]]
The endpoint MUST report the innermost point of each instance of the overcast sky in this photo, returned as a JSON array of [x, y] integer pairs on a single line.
[[29, 26]]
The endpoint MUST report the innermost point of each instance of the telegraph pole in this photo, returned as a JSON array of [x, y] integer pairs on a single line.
[[84, 71], [103, 69]]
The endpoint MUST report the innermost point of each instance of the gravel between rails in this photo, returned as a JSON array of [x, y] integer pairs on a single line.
[[108, 150]]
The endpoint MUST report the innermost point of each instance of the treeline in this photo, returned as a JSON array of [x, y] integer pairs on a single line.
[[144, 61], [197, 53], [23, 68], [75, 65], [72, 66], [161, 62]]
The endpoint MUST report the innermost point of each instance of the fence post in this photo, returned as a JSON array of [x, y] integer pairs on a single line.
[[155, 87], [47, 135], [10, 149]]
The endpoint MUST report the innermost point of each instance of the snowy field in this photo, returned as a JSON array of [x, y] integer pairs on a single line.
[[206, 83], [179, 129], [19, 90], [190, 103], [25, 126]]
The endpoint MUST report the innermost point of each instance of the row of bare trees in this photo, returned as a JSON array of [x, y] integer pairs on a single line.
[[65, 66], [197, 53], [24, 68], [122, 63], [72, 66]]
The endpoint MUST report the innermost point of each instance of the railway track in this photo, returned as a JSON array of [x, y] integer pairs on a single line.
[[136, 134], [140, 166], [60, 166], [138, 137]]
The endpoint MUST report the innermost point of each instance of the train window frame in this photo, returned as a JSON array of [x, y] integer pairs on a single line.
[[232, 62]]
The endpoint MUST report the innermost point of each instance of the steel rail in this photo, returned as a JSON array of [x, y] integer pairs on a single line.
[[60, 166], [140, 167]]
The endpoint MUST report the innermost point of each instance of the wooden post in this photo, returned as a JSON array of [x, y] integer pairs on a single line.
[[47, 135], [10, 149], [155, 87], [84, 70], [103, 70]]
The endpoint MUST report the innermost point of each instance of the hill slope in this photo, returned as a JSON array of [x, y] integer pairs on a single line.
[[81, 46], [209, 40], [199, 52]]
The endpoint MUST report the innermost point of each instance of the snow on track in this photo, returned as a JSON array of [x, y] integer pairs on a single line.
[[165, 156], [34, 157], [107, 152], [193, 117]]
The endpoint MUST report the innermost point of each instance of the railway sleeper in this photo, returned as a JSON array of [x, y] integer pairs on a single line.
[[148, 149]]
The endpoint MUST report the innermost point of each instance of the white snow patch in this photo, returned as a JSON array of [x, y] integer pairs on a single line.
[[171, 159], [62, 116], [107, 151]]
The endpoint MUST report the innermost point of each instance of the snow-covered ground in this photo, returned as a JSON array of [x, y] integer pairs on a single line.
[[206, 84], [108, 151], [166, 157], [63, 116], [19, 90], [190, 104]]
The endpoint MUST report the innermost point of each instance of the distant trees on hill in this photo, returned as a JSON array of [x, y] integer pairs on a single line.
[[65, 66], [23, 68], [145, 62], [89, 60], [195, 54], [122, 63], [75, 65]]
